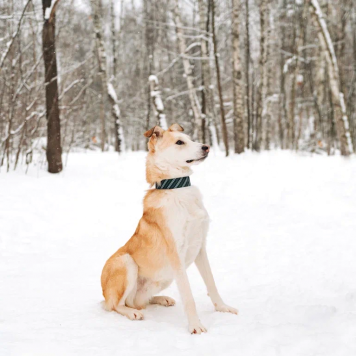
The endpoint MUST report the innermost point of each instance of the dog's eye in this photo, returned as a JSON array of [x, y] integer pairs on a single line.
[[179, 142]]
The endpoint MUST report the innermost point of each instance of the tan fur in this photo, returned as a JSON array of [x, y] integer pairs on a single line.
[[113, 280], [167, 139], [151, 247]]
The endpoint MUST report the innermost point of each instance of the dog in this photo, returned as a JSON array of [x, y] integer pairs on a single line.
[[170, 236]]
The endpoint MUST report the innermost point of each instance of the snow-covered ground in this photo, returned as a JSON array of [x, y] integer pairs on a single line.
[[282, 245]]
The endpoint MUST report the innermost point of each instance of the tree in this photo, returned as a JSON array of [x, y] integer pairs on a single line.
[[218, 78], [247, 70], [108, 91], [157, 102], [194, 102], [54, 149], [262, 88], [294, 78], [338, 101], [295, 72], [237, 85], [115, 108]]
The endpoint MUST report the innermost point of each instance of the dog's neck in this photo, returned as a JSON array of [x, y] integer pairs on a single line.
[[157, 170]]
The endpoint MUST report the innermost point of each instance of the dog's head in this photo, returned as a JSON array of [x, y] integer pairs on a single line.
[[175, 147], [172, 153]]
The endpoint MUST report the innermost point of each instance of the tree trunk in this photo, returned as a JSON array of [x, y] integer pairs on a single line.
[[149, 65], [216, 55], [341, 38], [294, 79], [194, 102], [108, 91], [268, 78], [54, 149], [208, 91], [282, 113], [352, 92], [237, 84], [116, 112], [247, 71], [338, 102], [157, 102], [264, 14]]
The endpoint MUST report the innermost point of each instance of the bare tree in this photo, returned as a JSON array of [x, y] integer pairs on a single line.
[[218, 78], [194, 102], [294, 78], [237, 75], [327, 47], [157, 102], [247, 70], [208, 92], [108, 91], [54, 149], [261, 97], [293, 87]]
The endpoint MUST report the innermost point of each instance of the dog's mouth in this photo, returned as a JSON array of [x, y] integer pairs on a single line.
[[197, 160]]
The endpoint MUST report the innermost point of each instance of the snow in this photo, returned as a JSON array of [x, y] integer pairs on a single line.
[[112, 92], [281, 244], [288, 63], [163, 121], [153, 78], [49, 10], [158, 101], [300, 78]]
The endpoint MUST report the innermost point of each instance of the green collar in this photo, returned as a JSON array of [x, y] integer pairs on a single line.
[[174, 183]]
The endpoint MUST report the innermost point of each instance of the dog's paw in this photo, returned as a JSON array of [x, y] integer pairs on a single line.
[[197, 328], [134, 314], [226, 309], [162, 300]]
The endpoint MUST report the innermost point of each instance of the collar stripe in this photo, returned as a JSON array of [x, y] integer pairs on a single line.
[[174, 183]]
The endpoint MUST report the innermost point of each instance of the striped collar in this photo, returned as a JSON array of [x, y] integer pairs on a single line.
[[174, 183]]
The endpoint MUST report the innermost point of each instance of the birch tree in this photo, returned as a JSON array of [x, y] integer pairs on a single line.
[[157, 102], [194, 101], [218, 79], [282, 112], [294, 77], [237, 85], [338, 101], [247, 70], [261, 97], [108, 91], [310, 63]]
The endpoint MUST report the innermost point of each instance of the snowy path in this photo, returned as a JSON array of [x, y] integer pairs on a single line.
[[282, 245]]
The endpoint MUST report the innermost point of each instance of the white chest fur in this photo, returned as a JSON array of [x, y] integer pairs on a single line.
[[188, 221]]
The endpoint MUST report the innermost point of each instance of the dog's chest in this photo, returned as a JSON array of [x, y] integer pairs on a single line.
[[188, 221]]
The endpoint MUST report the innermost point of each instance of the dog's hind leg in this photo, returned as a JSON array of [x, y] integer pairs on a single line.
[[119, 282]]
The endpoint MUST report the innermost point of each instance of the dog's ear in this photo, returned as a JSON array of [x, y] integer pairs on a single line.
[[156, 131], [154, 134], [175, 127]]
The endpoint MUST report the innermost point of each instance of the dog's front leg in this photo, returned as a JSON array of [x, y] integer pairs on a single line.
[[203, 265], [195, 326]]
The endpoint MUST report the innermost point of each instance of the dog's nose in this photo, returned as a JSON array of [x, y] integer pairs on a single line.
[[205, 148]]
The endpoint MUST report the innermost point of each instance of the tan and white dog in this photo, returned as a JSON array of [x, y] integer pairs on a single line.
[[169, 237]]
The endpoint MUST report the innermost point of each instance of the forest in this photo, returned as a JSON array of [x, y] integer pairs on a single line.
[[269, 85], [238, 75]]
